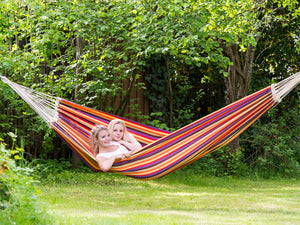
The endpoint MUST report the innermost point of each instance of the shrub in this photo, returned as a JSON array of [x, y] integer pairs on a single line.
[[274, 144], [222, 162], [18, 194]]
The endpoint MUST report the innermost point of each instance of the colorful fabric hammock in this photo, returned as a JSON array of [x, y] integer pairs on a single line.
[[163, 152]]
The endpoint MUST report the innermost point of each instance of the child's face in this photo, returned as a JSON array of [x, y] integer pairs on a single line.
[[104, 138], [118, 132]]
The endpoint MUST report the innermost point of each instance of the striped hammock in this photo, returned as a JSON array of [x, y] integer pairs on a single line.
[[163, 152]]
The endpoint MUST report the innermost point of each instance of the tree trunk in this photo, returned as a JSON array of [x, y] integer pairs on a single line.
[[170, 91], [126, 100], [79, 48], [239, 77]]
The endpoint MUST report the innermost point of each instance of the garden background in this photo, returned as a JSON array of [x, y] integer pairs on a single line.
[[162, 63]]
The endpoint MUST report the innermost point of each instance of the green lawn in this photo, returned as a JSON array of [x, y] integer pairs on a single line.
[[97, 198]]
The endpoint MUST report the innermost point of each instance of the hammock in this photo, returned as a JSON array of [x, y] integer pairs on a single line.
[[163, 152]]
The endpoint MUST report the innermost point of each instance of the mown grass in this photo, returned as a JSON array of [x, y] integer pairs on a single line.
[[179, 198]]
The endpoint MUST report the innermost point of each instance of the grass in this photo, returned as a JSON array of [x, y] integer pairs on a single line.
[[179, 198]]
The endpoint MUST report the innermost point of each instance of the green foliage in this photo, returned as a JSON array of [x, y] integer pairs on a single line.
[[18, 195], [187, 93], [274, 142], [278, 47], [231, 162], [157, 91], [50, 170], [179, 30], [152, 121], [222, 162]]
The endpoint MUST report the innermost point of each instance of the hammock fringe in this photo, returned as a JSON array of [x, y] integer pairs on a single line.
[[284, 87]]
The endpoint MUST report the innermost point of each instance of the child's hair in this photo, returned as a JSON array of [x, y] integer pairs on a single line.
[[94, 138]]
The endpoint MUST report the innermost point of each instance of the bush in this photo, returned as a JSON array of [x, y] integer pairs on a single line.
[[221, 162], [274, 144], [18, 194]]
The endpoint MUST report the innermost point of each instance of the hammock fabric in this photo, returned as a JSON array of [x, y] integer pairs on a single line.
[[163, 152]]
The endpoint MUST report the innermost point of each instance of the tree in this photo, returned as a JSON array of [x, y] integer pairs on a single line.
[[224, 33], [266, 15]]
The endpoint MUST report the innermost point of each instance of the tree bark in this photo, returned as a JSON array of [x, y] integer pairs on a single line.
[[239, 77], [79, 48], [169, 82]]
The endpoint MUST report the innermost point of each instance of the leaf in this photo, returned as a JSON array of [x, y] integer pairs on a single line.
[[17, 157], [12, 135]]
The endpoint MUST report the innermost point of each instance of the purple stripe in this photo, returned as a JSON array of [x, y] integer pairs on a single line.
[[74, 125]]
